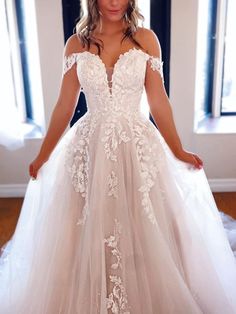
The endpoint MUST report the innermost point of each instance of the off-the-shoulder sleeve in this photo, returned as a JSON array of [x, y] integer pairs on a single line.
[[156, 65], [69, 61]]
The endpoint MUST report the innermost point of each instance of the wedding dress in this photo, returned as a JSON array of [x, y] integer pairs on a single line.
[[114, 222]]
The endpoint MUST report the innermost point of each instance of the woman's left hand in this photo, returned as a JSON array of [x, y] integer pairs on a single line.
[[190, 158]]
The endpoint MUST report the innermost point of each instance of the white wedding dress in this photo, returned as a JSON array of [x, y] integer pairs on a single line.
[[115, 223]]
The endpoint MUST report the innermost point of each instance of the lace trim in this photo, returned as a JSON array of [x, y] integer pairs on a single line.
[[157, 65], [114, 135], [119, 123], [117, 300], [151, 160], [77, 160], [69, 61], [113, 184]]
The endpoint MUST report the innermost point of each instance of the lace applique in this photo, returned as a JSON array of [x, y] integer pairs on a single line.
[[117, 300], [113, 184], [79, 173], [157, 65], [118, 116], [114, 135], [79, 169], [69, 62], [112, 242], [77, 160], [150, 158]]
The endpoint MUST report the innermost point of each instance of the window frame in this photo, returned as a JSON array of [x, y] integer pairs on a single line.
[[219, 61], [24, 60], [25, 69], [16, 62]]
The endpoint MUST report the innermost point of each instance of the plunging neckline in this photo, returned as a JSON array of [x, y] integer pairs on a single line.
[[106, 68], [120, 56], [109, 83], [109, 74]]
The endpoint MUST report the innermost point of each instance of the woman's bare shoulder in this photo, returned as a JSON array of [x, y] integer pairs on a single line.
[[149, 41], [73, 45]]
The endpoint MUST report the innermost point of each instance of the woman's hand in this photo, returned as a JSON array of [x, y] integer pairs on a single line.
[[190, 158], [34, 167]]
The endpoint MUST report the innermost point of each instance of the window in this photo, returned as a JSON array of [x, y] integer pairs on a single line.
[[216, 64], [205, 57], [145, 10], [29, 51], [216, 67], [227, 103], [20, 77], [11, 74]]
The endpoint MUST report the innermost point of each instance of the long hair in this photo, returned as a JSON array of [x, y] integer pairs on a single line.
[[90, 19]]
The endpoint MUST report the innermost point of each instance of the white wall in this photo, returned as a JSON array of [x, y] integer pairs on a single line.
[[14, 165], [217, 151]]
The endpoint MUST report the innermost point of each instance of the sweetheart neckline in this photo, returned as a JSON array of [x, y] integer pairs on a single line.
[[105, 68], [121, 55]]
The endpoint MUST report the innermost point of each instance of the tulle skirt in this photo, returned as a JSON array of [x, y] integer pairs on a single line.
[[122, 235]]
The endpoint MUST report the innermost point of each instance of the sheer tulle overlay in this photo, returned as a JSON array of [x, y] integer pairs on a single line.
[[114, 222]]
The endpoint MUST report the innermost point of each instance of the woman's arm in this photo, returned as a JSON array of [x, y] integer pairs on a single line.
[[62, 113], [160, 107]]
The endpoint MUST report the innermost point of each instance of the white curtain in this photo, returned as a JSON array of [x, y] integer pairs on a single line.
[[11, 134]]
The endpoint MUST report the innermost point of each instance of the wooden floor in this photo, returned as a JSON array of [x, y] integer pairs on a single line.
[[10, 210], [9, 213]]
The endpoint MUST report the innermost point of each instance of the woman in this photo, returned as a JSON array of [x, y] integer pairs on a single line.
[[117, 221]]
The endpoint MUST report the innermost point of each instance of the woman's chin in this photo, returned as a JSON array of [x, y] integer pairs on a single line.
[[114, 17]]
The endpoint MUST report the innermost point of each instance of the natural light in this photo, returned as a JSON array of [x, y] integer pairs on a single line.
[[229, 79], [10, 124]]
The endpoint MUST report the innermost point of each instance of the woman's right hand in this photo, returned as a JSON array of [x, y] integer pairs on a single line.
[[190, 158], [34, 167]]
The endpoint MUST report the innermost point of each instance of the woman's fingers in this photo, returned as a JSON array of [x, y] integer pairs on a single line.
[[34, 167], [191, 159], [32, 171], [197, 161]]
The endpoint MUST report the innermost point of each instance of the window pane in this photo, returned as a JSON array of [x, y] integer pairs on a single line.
[[229, 77], [10, 125], [6, 78], [144, 6], [205, 53]]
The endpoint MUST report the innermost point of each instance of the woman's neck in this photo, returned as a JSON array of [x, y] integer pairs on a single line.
[[110, 27]]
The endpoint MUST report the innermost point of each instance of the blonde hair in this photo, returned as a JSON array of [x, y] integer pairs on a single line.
[[90, 19]]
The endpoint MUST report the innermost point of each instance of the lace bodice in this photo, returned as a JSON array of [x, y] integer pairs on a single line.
[[113, 89], [114, 117]]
